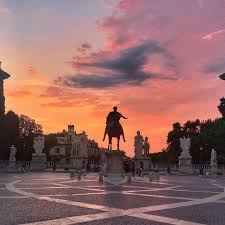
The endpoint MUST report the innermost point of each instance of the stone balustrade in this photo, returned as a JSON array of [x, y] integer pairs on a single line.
[[27, 165], [174, 168]]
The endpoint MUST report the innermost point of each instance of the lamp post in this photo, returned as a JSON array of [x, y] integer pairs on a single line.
[[201, 158]]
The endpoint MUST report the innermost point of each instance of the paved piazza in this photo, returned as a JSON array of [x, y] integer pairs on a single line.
[[54, 198]]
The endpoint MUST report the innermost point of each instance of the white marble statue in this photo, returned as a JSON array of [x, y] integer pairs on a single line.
[[39, 144], [213, 157], [185, 144], [13, 151], [75, 146], [83, 148], [146, 147], [80, 146], [138, 144]]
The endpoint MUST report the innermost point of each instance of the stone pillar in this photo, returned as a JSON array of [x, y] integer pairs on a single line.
[[114, 163]]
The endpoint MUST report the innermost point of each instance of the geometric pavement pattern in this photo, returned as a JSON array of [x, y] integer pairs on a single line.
[[55, 199]]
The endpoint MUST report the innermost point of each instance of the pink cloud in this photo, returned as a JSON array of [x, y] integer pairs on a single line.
[[178, 26], [84, 47], [213, 35], [5, 10]]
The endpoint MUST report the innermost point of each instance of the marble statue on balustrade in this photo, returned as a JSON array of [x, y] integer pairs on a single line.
[[213, 158], [185, 157], [80, 146], [83, 145], [138, 144], [38, 162], [39, 144], [79, 153], [185, 144], [142, 158], [13, 151], [146, 147], [12, 159]]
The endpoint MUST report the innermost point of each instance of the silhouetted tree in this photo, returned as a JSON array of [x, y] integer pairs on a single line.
[[173, 142], [221, 107], [160, 157], [28, 129], [213, 136], [9, 134]]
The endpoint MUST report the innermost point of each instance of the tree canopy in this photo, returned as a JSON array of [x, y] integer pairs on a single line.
[[18, 131]]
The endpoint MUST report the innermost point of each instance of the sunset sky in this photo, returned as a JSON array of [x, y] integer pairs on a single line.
[[71, 61]]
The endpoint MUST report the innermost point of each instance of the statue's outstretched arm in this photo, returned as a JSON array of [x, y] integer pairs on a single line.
[[124, 117]]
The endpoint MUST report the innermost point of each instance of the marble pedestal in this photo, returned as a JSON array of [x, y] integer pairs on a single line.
[[146, 163], [38, 162], [12, 166], [214, 169], [185, 165], [114, 163]]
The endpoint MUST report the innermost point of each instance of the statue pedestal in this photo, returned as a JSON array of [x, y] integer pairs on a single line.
[[114, 163], [12, 166], [214, 169], [146, 161], [185, 165], [38, 162], [79, 162]]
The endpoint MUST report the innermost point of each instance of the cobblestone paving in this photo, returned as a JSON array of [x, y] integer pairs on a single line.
[[55, 199], [211, 213], [123, 220]]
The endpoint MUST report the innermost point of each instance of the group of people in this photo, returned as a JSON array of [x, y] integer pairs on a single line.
[[93, 168], [129, 166]]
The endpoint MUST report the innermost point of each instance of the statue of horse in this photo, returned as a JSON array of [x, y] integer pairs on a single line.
[[114, 128], [114, 131]]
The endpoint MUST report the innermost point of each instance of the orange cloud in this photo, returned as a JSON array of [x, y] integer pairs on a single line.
[[33, 72], [19, 93]]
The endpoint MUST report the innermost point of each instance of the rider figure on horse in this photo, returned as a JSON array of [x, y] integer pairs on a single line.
[[112, 120]]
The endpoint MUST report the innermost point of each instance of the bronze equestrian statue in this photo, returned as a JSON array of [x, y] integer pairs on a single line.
[[114, 128]]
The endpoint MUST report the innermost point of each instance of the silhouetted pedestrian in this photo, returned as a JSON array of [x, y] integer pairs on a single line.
[[133, 168]]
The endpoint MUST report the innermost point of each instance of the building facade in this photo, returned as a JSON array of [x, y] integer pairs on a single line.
[[62, 149]]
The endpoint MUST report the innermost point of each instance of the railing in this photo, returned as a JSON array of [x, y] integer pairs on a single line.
[[58, 165], [26, 165], [17, 165], [208, 167], [165, 167]]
